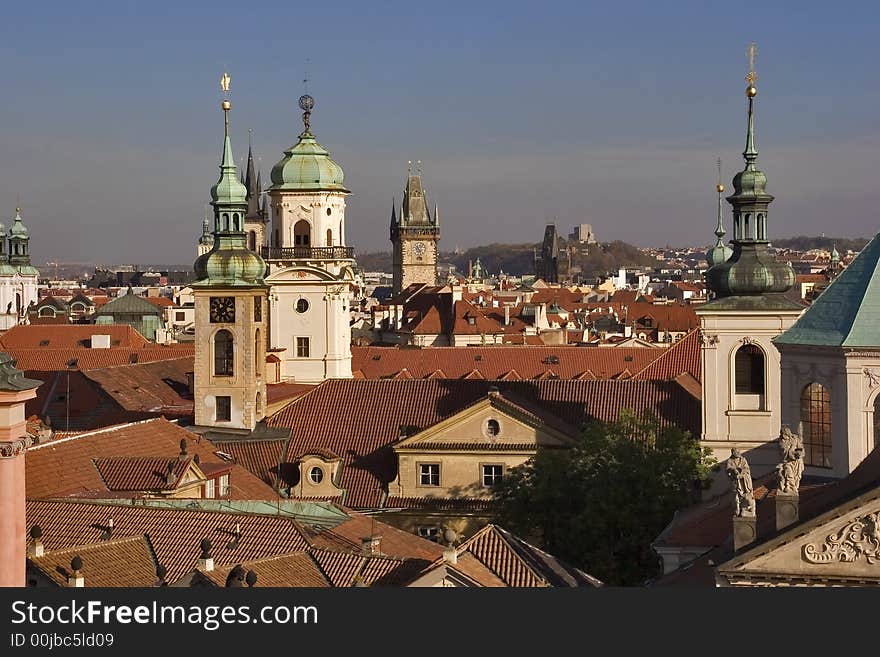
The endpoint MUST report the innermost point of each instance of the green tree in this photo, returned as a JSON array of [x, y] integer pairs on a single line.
[[601, 503]]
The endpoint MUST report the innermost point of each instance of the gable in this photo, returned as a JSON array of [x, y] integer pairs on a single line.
[[830, 547], [470, 429]]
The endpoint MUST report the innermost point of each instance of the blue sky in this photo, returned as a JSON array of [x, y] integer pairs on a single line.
[[522, 112]]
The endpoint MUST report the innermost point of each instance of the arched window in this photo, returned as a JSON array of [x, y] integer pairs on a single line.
[[746, 231], [302, 233], [259, 405], [47, 312], [749, 370], [236, 222], [223, 353], [762, 227], [224, 221], [329, 237], [258, 353], [252, 240], [816, 425], [18, 302]]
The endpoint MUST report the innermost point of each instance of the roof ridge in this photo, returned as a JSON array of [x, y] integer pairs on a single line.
[[95, 432]]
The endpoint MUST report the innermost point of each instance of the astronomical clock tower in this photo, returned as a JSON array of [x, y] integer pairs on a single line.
[[230, 310], [414, 234]]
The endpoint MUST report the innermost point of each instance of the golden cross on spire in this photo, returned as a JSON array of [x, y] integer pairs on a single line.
[[752, 76]]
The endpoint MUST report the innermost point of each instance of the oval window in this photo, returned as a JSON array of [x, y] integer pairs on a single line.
[[329, 212], [493, 428], [316, 475], [302, 305]]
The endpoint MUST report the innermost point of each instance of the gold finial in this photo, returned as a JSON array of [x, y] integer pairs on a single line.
[[224, 86], [751, 91], [719, 187]]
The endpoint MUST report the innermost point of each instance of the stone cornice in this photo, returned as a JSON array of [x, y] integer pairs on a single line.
[[10, 449]]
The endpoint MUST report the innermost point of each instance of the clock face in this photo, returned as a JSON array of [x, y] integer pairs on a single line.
[[419, 248], [222, 310]]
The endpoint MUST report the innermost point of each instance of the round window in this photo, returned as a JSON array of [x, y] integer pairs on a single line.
[[493, 428], [329, 212], [302, 305], [316, 475]]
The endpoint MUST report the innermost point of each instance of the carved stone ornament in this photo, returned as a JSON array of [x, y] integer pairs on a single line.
[[747, 339], [873, 377], [708, 340], [861, 537], [12, 448]]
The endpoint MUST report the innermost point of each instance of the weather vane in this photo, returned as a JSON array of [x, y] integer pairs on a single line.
[[752, 76], [306, 103], [224, 83]]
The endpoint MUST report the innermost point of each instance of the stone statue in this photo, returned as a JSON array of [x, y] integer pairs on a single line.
[[740, 476], [792, 467]]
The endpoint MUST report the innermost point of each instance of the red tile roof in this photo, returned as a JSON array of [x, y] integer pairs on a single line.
[[496, 362], [119, 562], [284, 571], [361, 419], [141, 473], [261, 457], [70, 336], [63, 468], [157, 387], [42, 359], [174, 533], [683, 356]]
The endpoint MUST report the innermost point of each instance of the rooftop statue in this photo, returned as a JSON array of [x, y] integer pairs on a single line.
[[740, 476], [792, 467]]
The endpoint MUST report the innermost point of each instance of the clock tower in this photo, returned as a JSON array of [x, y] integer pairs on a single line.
[[414, 234], [230, 311]]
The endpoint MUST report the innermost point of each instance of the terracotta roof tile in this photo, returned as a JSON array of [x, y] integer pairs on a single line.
[[684, 356], [119, 562], [70, 336], [60, 466], [288, 571], [174, 534]]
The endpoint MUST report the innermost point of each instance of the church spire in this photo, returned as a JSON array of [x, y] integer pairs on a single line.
[[720, 252]]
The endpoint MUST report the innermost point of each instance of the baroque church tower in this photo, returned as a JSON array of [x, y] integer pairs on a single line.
[[230, 311], [414, 236], [310, 267], [18, 277], [741, 366]]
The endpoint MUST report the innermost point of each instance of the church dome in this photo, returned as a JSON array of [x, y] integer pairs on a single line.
[[718, 254], [308, 166], [18, 228], [230, 266], [750, 271]]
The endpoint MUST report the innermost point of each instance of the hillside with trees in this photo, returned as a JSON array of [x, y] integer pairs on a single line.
[[805, 243]]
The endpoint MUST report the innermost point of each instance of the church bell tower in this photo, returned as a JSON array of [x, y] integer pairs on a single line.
[[414, 236]]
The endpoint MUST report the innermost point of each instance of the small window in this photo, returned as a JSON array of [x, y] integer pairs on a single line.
[[493, 428], [224, 485], [302, 347], [224, 409], [179, 317], [429, 532], [223, 353], [429, 474], [316, 475], [492, 475], [329, 212], [302, 305], [209, 489]]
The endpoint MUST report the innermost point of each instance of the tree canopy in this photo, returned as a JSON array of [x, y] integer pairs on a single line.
[[600, 504]]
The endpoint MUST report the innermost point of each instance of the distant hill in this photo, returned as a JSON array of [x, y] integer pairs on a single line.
[[805, 243]]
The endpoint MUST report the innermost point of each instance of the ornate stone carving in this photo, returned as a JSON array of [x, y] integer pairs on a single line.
[[791, 447], [873, 377], [740, 475], [708, 339], [860, 538], [12, 448], [747, 339]]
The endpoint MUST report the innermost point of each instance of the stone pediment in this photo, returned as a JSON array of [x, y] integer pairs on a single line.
[[300, 274], [839, 546], [491, 424]]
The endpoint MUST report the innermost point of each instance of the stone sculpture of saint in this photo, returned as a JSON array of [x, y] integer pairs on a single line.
[[790, 470], [740, 476]]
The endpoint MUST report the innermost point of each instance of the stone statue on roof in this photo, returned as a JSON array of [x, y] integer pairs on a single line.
[[791, 469], [740, 475]]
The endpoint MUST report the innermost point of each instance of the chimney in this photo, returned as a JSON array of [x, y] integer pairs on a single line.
[[101, 341], [76, 580], [371, 545], [35, 549], [205, 563], [507, 315], [183, 456]]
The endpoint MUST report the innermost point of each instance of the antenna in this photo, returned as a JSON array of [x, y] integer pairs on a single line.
[[306, 78]]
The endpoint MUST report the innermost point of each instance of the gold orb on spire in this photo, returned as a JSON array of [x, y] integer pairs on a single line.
[[751, 91], [719, 188]]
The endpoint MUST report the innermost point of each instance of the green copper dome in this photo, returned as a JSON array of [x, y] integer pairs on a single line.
[[18, 228], [231, 265], [307, 166], [719, 254]]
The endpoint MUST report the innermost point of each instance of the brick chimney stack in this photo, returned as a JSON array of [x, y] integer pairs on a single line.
[[15, 390]]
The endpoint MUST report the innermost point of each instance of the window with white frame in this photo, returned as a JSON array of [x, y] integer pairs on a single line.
[[492, 475], [302, 347], [224, 485], [429, 474], [209, 489]]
